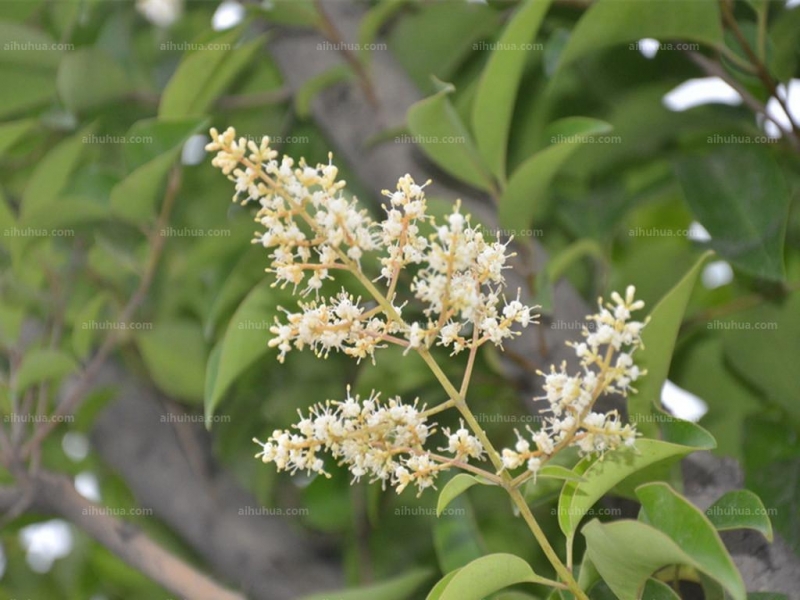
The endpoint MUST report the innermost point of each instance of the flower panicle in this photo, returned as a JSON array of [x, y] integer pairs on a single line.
[[384, 441], [606, 359], [311, 229]]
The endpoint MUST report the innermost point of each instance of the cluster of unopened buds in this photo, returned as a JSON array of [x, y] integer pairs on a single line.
[[454, 273]]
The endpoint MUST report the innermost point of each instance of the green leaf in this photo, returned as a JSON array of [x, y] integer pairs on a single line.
[[43, 364], [487, 575], [771, 453], [11, 133], [762, 346], [524, 199], [136, 197], [24, 90], [455, 487], [204, 75], [27, 47], [402, 587], [627, 553], [311, 88], [658, 590], [611, 22], [559, 472], [496, 95], [740, 509], [766, 596], [71, 211], [245, 340], [599, 476], [53, 172], [437, 590], [659, 338], [88, 78], [372, 22], [446, 141], [740, 195], [456, 537], [83, 332], [175, 355], [692, 531]]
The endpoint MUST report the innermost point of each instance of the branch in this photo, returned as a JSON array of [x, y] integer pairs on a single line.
[[56, 494]]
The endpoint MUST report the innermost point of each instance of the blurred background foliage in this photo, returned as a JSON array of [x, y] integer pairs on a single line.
[[98, 129]]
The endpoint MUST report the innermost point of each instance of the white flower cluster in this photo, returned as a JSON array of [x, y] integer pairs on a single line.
[[608, 367], [383, 441], [312, 230]]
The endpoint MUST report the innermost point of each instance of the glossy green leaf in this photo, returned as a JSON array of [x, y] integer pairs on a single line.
[[611, 22], [602, 475], [403, 587], [659, 337], [437, 590], [27, 47], [446, 141], [88, 78], [307, 92], [53, 172], [524, 199], [772, 374], [245, 340], [771, 453], [24, 90], [175, 355], [487, 575], [83, 331], [628, 552], [43, 364], [741, 196], [559, 472], [204, 75], [496, 95], [693, 532], [740, 509], [456, 537], [11, 133], [454, 488], [372, 22], [658, 590], [136, 197]]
